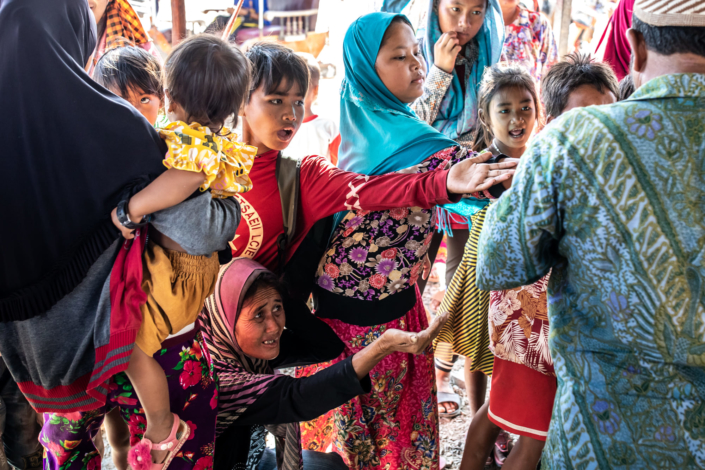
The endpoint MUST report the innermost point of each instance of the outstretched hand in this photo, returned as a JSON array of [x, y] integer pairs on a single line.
[[414, 343], [473, 175]]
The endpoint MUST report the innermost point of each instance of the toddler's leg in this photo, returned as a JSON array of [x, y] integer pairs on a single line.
[[152, 389], [119, 438]]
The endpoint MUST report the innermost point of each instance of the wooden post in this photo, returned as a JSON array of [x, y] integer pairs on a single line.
[[561, 25], [178, 21]]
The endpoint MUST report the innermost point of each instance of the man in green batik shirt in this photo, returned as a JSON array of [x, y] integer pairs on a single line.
[[613, 199]]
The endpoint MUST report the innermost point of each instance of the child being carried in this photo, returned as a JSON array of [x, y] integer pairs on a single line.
[[206, 81]]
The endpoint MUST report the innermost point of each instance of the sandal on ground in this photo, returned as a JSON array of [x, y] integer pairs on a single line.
[[140, 456], [445, 397]]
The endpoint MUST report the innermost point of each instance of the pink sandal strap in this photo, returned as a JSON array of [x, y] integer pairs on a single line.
[[172, 440], [140, 457]]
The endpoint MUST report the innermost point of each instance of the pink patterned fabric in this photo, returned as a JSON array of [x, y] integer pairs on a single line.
[[529, 42], [241, 379], [393, 427]]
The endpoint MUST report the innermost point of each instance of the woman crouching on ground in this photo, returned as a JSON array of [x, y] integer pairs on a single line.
[[243, 327]]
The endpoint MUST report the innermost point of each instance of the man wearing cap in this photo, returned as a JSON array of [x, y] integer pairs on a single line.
[[612, 198]]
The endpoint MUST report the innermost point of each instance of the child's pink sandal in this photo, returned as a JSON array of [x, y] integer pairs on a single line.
[[140, 456]]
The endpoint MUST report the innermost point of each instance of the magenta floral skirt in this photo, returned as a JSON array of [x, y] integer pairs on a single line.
[[393, 427], [67, 438]]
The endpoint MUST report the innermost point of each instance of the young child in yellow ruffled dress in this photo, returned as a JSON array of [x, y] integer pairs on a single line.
[[203, 154]]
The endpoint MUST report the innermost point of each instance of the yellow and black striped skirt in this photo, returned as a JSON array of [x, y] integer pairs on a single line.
[[466, 332]]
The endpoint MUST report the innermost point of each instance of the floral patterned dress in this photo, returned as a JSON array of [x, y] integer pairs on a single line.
[[67, 438], [373, 255], [529, 42]]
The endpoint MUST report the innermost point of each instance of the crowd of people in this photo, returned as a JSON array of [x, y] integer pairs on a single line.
[[160, 269]]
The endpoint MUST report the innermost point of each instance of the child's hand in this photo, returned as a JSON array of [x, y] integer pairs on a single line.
[[446, 50], [126, 232]]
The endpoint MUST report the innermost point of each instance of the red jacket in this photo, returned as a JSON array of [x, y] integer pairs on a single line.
[[325, 190]]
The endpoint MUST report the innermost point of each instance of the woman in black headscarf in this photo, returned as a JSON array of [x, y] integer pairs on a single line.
[[72, 150]]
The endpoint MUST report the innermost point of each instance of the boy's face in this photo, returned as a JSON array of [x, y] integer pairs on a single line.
[[146, 103], [586, 95], [271, 121]]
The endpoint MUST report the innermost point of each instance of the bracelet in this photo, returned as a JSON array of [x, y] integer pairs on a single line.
[[123, 216]]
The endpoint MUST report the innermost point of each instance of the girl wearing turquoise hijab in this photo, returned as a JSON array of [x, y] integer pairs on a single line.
[[461, 39], [366, 281]]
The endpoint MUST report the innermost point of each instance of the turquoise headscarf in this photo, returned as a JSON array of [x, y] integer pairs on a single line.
[[457, 113], [379, 133]]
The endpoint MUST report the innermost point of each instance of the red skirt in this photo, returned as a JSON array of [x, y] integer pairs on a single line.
[[521, 399]]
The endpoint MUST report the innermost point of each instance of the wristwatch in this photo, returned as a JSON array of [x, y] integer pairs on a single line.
[[124, 216]]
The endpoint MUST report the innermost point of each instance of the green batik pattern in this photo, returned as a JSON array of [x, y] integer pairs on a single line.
[[613, 198]]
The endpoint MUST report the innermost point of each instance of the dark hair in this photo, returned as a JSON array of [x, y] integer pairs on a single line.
[[626, 88], [272, 63], [209, 78], [667, 40], [397, 19], [574, 71], [264, 280], [130, 68], [495, 78], [314, 70]]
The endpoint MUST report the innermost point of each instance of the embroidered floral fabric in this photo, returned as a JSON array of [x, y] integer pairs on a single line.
[[529, 42], [395, 426], [518, 322], [374, 254]]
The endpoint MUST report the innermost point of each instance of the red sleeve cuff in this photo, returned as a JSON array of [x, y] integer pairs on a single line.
[[440, 191]]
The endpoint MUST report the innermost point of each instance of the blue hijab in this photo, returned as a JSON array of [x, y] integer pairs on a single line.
[[458, 113], [379, 133]]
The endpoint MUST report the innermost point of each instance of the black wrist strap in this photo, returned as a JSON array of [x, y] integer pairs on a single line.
[[124, 216]]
